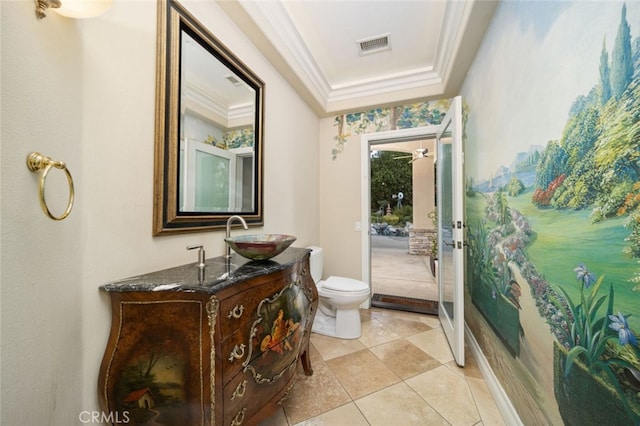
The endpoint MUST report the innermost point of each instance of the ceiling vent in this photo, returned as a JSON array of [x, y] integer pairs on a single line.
[[376, 44], [233, 79]]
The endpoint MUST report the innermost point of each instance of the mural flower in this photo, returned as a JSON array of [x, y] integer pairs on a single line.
[[590, 336], [587, 336], [584, 275], [621, 326]]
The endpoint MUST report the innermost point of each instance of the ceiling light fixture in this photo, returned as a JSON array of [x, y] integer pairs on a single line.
[[73, 8]]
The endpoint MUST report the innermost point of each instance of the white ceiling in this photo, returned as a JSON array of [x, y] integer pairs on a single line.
[[313, 44]]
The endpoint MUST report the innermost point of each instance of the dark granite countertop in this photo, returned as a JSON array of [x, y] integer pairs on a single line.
[[215, 278]]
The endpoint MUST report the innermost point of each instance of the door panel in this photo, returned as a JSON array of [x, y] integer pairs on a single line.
[[450, 229], [210, 178]]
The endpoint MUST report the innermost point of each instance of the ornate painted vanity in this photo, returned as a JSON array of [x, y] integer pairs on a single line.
[[193, 347]]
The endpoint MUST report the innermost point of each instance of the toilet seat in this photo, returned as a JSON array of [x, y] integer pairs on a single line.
[[344, 285]]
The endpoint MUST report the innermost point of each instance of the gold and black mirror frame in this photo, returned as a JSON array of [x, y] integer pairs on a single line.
[[209, 144]]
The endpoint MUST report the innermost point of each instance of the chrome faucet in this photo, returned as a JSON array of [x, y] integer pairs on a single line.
[[229, 221]]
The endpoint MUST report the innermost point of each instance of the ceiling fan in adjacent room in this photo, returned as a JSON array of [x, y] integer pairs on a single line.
[[417, 154]]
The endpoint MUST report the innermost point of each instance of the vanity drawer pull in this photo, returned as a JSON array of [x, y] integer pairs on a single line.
[[237, 352], [240, 390], [236, 312], [239, 418]]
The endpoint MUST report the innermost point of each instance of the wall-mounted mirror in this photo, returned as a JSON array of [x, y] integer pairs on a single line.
[[209, 108]]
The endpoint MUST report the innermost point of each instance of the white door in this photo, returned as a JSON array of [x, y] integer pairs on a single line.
[[450, 197], [207, 178]]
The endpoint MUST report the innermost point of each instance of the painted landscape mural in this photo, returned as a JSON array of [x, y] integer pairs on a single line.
[[552, 164]]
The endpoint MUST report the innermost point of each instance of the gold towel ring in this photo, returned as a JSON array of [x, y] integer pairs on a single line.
[[37, 162]]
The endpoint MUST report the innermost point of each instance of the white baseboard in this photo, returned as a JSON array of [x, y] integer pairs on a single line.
[[507, 410]]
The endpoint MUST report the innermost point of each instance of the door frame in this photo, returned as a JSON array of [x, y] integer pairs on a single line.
[[452, 322], [366, 141]]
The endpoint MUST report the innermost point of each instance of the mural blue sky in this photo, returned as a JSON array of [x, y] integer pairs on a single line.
[[532, 99]]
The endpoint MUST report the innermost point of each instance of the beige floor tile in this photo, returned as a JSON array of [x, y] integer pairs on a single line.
[[404, 358], [487, 407], [314, 394], [362, 373], [405, 326], [375, 333], [448, 393], [315, 355], [330, 347], [431, 320], [365, 314], [398, 405], [434, 343], [347, 414]]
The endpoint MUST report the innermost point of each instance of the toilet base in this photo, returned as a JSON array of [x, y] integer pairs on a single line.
[[345, 325]]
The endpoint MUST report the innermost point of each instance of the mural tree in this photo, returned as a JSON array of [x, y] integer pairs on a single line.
[[605, 74], [621, 65]]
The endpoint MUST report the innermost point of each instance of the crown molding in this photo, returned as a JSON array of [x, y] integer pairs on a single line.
[[269, 26], [274, 21]]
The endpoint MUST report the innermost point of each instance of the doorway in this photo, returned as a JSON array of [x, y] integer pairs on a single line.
[[450, 196], [396, 248]]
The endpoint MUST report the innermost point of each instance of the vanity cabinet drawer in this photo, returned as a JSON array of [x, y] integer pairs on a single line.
[[241, 306], [234, 351], [243, 396]]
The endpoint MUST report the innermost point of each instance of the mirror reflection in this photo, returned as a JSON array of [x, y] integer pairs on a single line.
[[217, 134], [208, 131]]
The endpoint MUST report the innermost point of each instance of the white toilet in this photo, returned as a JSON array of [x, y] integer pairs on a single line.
[[339, 301]]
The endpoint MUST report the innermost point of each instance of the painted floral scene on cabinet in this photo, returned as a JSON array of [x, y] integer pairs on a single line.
[[552, 172]]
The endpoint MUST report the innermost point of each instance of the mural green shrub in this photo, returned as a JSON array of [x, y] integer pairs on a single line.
[[550, 165], [584, 398], [493, 291], [579, 190], [633, 223], [631, 200], [612, 203], [500, 313], [515, 186]]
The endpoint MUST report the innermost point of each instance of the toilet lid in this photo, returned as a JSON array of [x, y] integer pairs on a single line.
[[344, 284]]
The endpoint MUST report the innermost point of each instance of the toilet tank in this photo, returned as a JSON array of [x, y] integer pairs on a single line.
[[315, 263]]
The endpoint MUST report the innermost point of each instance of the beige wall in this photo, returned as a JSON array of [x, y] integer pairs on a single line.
[[340, 204], [41, 266], [83, 92]]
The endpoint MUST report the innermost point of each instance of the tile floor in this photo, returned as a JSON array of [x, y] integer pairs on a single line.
[[400, 371]]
